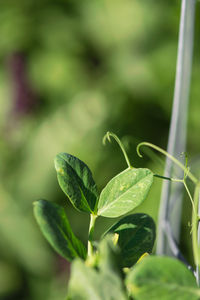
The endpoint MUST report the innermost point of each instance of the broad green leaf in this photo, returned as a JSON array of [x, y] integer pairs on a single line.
[[124, 192], [55, 226], [163, 278], [136, 236], [76, 181], [89, 284]]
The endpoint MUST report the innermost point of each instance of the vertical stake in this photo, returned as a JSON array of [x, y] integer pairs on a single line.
[[171, 199]]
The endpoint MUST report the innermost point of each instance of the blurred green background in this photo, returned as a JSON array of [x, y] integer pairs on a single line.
[[70, 71]]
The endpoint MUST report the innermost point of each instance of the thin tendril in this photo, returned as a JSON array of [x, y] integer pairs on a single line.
[[111, 134], [196, 252]]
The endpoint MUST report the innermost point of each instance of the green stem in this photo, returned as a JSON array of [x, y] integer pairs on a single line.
[[178, 163], [168, 178], [107, 136], [195, 221], [181, 181], [90, 234]]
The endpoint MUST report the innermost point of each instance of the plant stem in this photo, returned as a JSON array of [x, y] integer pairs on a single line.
[[90, 233], [168, 178], [180, 181], [195, 222], [198, 232]]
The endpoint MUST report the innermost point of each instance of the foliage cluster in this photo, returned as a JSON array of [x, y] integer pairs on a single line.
[[70, 70], [118, 266]]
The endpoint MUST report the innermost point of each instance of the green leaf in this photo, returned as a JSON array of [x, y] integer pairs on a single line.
[[76, 181], [125, 192], [163, 278], [89, 284], [136, 236], [54, 225]]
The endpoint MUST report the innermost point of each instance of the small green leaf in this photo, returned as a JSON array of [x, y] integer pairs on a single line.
[[136, 236], [163, 278], [89, 284], [55, 227], [124, 192], [76, 181]]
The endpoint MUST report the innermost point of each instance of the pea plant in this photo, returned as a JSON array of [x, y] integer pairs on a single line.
[[120, 265]]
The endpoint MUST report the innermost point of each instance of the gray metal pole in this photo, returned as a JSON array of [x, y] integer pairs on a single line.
[[171, 197]]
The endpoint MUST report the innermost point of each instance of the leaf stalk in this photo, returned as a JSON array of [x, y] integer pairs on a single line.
[[90, 233], [195, 221]]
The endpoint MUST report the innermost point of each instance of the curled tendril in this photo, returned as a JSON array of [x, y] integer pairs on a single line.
[[138, 150], [108, 136]]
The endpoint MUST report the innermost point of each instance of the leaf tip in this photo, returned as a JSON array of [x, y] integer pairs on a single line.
[[56, 162], [35, 203]]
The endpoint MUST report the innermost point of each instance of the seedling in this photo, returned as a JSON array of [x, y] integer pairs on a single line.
[[118, 265]]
